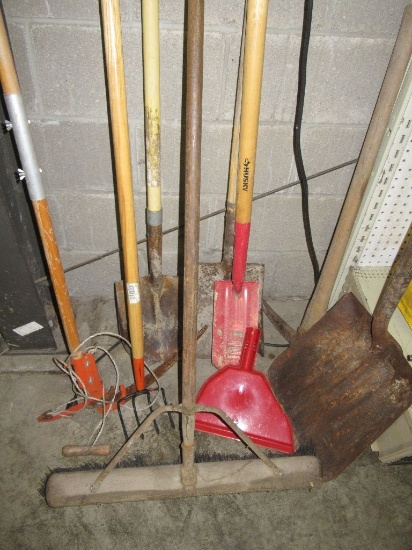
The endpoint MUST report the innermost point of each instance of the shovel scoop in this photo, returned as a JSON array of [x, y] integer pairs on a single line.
[[346, 380], [245, 395]]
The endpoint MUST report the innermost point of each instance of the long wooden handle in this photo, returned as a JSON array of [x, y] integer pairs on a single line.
[[401, 54], [193, 142], [16, 111], [111, 22], [252, 86], [256, 20], [151, 79]]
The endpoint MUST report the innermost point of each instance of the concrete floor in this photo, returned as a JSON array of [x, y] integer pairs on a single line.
[[369, 506]]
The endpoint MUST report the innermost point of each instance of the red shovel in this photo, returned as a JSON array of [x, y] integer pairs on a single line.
[[236, 302], [245, 395]]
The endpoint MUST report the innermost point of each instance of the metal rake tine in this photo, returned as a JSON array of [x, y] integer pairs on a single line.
[[135, 410], [169, 414], [155, 424], [119, 411]]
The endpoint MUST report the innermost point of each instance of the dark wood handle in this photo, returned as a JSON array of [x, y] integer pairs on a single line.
[[394, 288], [86, 450]]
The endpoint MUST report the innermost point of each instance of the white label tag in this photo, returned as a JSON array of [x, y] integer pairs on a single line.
[[24, 330], [133, 293]]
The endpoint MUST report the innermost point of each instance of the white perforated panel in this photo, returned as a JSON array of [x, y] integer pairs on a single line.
[[389, 213], [386, 211]]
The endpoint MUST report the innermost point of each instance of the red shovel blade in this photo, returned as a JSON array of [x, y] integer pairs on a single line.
[[246, 397], [233, 312]]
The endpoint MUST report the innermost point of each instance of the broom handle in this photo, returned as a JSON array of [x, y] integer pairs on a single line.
[[111, 22], [151, 79], [21, 131], [193, 142], [401, 54], [256, 20]]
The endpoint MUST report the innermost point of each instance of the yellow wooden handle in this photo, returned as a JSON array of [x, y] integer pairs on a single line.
[[111, 23], [8, 74], [151, 71], [256, 20]]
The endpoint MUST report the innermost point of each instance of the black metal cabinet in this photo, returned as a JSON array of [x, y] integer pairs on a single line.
[[26, 310]]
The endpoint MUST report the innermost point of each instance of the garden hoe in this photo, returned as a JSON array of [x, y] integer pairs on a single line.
[[346, 380], [158, 292], [209, 273], [189, 478]]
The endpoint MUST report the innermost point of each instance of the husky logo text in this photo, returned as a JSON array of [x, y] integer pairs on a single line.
[[246, 174]]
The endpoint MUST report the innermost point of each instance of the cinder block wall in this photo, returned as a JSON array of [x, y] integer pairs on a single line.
[[58, 51]]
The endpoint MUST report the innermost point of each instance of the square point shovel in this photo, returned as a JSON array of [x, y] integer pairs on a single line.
[[346, 380], [209, 273], [237, 302]]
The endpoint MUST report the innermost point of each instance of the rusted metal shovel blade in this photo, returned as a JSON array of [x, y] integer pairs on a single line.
[[233, 313], [160, 317], [339, 388]]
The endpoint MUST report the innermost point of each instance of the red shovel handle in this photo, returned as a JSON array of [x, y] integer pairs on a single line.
[[250, 348]]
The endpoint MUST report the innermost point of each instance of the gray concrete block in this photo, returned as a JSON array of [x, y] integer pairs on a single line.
[[69, 63], [277, 222], [344, 78], [27, 8], [284, 14], [279, 77], [216, 139], [103, 221], [24, 68], [324, 147], [288, 275], [75, 9], [171, 158], [374, 16], [171, 71], [94, 280], [74, 156], [70, 67], [76, 214]]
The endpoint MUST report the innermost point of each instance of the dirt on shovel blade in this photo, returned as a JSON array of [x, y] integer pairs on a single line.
[[341, 390], [160, 317]]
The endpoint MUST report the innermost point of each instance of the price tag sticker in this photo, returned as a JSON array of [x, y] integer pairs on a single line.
[[133, 293]]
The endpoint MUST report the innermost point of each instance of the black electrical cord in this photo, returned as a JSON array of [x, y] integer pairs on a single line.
[[300, 100]]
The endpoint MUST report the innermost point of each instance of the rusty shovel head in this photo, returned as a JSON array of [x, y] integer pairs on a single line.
[[160, 317], [209, 274], [341, 389]]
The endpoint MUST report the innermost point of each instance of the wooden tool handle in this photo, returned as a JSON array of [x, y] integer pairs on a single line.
[[111, 22], [86, 450], [393, 290], [151, 73], [252, 86], [8, 74], [14, 102], [401, 54]]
